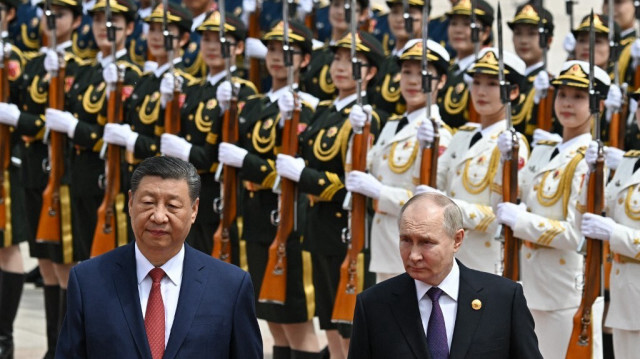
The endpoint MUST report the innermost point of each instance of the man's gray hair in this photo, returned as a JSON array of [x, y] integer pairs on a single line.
[[167, 167], [452, 213]]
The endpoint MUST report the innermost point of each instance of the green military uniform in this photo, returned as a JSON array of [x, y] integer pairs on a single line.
[[454, 98], [316, 79], [324, 146]]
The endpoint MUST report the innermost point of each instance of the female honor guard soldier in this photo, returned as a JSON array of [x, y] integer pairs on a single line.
[[83, 123], [467, 168], [27, 118], [394, 161], [201, 120], [261, 123], [321, 171], [387, 97], [549, 187], [453, 99], [621, 228]]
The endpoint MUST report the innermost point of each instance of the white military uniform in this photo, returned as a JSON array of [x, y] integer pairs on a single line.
[[465, 174], [623, 205], [550, 263], [395, 161]]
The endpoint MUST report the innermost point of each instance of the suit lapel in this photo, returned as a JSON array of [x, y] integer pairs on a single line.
[[467, 318], [193, 283], [405, 309], [125, 282]]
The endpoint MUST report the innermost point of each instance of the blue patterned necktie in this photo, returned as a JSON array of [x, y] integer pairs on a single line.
[[436, 331]]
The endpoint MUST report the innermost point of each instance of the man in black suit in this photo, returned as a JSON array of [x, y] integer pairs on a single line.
[[440, 309]]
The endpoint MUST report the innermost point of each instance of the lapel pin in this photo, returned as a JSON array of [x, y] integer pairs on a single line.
[[476, 304]]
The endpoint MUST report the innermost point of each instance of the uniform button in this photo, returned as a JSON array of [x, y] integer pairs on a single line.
[[487, 244], [130, 168], [153, 147], [93, 136], [188, 137], [248, 135], [251, 194], [377, 220], [310, 142], [263, 168], [453, 193], [338, 214], [321, 182], [528, 255], [79, 97], [191, 117], [617, 271]]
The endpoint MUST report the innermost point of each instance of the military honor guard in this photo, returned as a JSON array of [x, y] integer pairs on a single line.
[[191, 58], [548, 218], [201, 118], [394, 162], [26, 31], [454, 98], [320, 173]]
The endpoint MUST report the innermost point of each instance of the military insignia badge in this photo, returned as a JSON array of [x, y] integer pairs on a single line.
[[192, 47], [126, 92], [155, 96], [14, 69], [85, 29], [332, 131], [267, 124], [211, 104], [68, 81], [101, 86], [459, 88], [396, 78]]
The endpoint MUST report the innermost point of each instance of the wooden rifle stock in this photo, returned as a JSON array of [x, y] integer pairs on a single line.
[[473, 114], [104, 238], [49, 224], [274, 282], [222, 238], [581, 342], [429, 161], [510, 194], [254, 64], [172, 115], [615, 131], [5, 147], [545, 110], [636, 79], [348, 287]]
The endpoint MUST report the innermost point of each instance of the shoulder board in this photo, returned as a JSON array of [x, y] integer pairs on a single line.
[[394, 117], [632, 153], [467, 128], [325, 103], [189, 79], [258, 95], [547, 143], [129, 66], [244, 82], [582, 150]]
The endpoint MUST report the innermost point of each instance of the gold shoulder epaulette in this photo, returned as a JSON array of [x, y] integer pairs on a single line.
[[632, 153], [325, 103], [189, 79], [467, 128], [247, 83], [394, 117], [547, 142], [128, 65], [582, 150]]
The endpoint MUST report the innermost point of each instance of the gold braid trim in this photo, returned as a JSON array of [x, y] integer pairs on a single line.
[[564, 187], [271, 177], [29, 42], [121, 220], [402, 168], [307, 282], [37, 96], [201, 124], [89, 106], [145, 117], [322, 80], [8, 229], [526, 110], [455, 108], [334, 187], [546, 238], [623, 61], [391, 96], [486, 220], [478, 187], [340, 144], [65, 217], [264, 144], [635, 215]]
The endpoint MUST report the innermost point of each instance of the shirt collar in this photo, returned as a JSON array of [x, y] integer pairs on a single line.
[[450, 285], [162, 69], [496, 127], [172, 268], [466, 62], [275, 95], [198, 20], [214, 79], [577, 141], [105, 61], [342, 103], [532, 68]]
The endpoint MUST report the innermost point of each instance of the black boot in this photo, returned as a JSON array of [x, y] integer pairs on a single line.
[[10, 293], [281, 352], [299, 354], [34, 277], [51, 310], [62, 311]]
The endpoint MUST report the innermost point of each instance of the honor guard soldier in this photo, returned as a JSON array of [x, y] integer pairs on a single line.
[[27, 118], [526, 42], [261, 138], [394, 162], [454, 99], [84, 44], [25, 32], [387, 95], [320, 173], [438, 31], [13, 226], [317, 80], [621, 229], [83, 122], [548, 219], [201, 119], [467, 168]]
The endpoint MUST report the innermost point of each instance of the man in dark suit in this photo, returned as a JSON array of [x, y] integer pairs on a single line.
[[158, 297], [464, 313]]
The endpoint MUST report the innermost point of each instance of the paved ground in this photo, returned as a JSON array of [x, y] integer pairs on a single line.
[[29, 327]]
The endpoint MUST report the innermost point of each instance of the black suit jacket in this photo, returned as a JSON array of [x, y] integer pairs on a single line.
[[387, 320]]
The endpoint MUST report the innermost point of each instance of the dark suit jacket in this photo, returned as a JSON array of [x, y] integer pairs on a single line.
[[387, 320], [215, 316]]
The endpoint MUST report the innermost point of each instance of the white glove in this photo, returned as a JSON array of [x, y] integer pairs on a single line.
[[541, 85], [60, 121], [507, 213], [289, 167], [305, 7], [363, 183], [110, 74], [150, 66], [285, 104], [635, 52], [248, 6], [175, 146], [223, 94], [358, 115], [591, 155], [542, 135], [612, 157], [633, 107], [231, 155], [9, 114], [51, 61], [423, 188], [505, 143], [597, 227], [6, 51], [255, 48], [425, 132], [613, 101], [168, 85], [120, 134], [569, 43]]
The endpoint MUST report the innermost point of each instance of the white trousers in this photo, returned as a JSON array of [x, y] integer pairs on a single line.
[[626, 343]]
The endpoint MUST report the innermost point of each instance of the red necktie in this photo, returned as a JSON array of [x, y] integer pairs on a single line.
[[154, 317]]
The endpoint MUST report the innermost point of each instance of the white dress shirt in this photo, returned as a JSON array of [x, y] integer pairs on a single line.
[[448, 301], [169, 286]]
